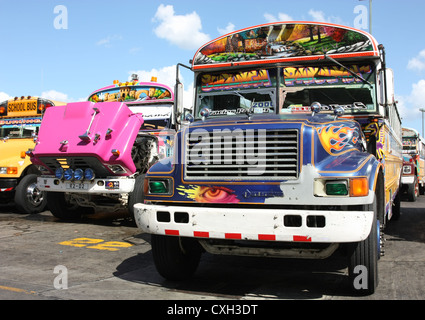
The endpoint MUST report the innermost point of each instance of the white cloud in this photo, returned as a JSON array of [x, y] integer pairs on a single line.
[[280, 17], [409, 105], [229, 28], [134, 51], [55, 95], [319, 16], [4, 96], [181, 30], [418, 93], [315, 15], [417, 63], [107, 42], [167, 76]]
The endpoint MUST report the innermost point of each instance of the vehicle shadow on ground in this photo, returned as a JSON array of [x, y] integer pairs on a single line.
[[99, 218], [409, 227], [233, 277]]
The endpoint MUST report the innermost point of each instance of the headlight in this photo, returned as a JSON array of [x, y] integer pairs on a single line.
[[8, 170], [160, 186], [350, 187], [59, 173], [407, 169], [69, 174], [79, 174], [89, 174]]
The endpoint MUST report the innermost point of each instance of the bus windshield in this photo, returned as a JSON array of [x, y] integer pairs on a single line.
[[155, 103], [410, 145], [18, 132], [294, 88]]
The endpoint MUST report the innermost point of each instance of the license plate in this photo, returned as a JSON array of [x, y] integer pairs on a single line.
[[112, 185], [77, 186]]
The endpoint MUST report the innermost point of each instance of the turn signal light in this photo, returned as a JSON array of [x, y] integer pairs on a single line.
[[359, 187], [12, 170]]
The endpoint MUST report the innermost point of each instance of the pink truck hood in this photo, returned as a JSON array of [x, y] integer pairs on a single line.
[[85, 133]]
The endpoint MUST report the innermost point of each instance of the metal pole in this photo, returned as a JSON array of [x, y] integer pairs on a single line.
[[370, 16]]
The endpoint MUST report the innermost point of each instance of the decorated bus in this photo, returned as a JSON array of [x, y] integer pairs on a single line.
[[413, 178], [20, 120], [97, 161], [293, 149]]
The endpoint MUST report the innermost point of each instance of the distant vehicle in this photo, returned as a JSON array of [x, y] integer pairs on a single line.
[[98, 159], [20, 120], [413, 178]]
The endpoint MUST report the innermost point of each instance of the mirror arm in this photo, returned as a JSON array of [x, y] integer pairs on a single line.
[[176, 120]]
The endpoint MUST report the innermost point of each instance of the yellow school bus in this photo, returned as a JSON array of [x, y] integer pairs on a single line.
[[20, 119]]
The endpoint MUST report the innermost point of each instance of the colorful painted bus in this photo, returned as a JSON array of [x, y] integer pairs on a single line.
[[104, 147], [293, 150], [413, 178], [20, 120]]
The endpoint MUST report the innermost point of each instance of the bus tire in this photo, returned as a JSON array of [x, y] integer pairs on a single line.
[[28, 198], [175, 258], [363, 256], [137, 196], [396, 208], [62, 209], [413, 191]]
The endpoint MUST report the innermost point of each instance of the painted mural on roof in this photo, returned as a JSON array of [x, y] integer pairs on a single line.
[[129, 93], [281, 41]]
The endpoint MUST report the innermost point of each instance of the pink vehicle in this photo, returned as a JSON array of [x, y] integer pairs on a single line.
[[94, 154]]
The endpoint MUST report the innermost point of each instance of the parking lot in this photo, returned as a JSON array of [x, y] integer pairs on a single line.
[[105, 257]]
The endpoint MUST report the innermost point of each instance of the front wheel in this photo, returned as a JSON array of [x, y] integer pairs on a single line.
[[363, 256], [363, 262], [28, 197], [413, 191], [175, 258], [137, 196], [63, 209]]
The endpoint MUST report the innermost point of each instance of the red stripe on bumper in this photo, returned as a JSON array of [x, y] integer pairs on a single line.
[[302, 238], [236, 236], [172, 232], [201, 234], [267, 237]]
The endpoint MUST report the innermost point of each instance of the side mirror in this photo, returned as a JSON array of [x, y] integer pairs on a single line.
[[386, 94], [178, 103], [178, 94]]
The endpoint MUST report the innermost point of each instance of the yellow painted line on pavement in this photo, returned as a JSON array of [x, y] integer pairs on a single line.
[[17, 290]]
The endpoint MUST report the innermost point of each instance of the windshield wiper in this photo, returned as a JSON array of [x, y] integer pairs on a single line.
[[348, 69], [248, 110]]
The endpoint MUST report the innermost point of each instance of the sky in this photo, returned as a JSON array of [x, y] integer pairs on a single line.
[[66, 49]]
